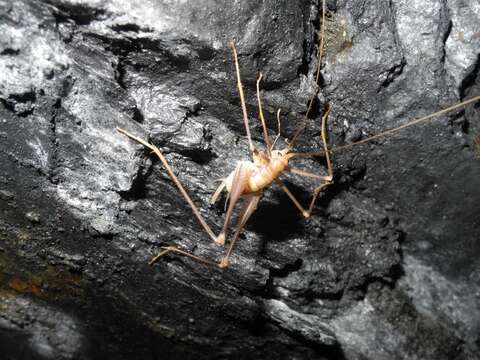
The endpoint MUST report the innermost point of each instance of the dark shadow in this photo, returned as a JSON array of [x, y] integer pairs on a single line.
[[277, 221]]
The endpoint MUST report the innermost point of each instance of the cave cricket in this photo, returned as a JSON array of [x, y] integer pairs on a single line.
[[250, 178]]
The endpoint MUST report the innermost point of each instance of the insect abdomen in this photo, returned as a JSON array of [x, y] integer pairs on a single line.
[[265, 175]]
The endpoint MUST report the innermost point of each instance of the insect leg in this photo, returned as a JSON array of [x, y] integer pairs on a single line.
[[242, 99], [240, 176], [170, 248], [262, 118], [305, 212], [292, 197], [326, 180], [249, 206], [217, 192], [301, 172], [177, 182]]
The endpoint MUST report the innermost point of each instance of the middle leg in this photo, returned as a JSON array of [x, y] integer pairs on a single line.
[[325, 180]]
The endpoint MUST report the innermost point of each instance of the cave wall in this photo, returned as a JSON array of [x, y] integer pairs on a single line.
[[385, 268]]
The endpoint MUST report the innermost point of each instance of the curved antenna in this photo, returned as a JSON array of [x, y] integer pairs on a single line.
[[317, 77], [408, 124]]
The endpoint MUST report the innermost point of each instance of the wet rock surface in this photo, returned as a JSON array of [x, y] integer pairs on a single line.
[[387, 266]]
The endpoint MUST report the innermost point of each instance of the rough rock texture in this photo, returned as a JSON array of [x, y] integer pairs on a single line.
[[386, 268]]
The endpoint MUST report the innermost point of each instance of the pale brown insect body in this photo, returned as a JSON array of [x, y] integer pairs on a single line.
[[262, 172], [250, 178]]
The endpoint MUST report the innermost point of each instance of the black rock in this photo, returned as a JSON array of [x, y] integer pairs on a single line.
[[385, 268]]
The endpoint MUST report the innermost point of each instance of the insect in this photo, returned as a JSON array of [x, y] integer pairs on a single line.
[[249, 178]]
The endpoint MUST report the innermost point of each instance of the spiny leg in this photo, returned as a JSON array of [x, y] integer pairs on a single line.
[[324, 142], [262, 118], [253, 150], [173, 249], [325, 152], [240, 178], [177, 182], [249, 206], [218, 191], [306, 154], [305, 212], [292, 197], [327, 180]]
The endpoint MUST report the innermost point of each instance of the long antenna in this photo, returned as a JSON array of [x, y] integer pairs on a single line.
[[408, 124], [317, 77]]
